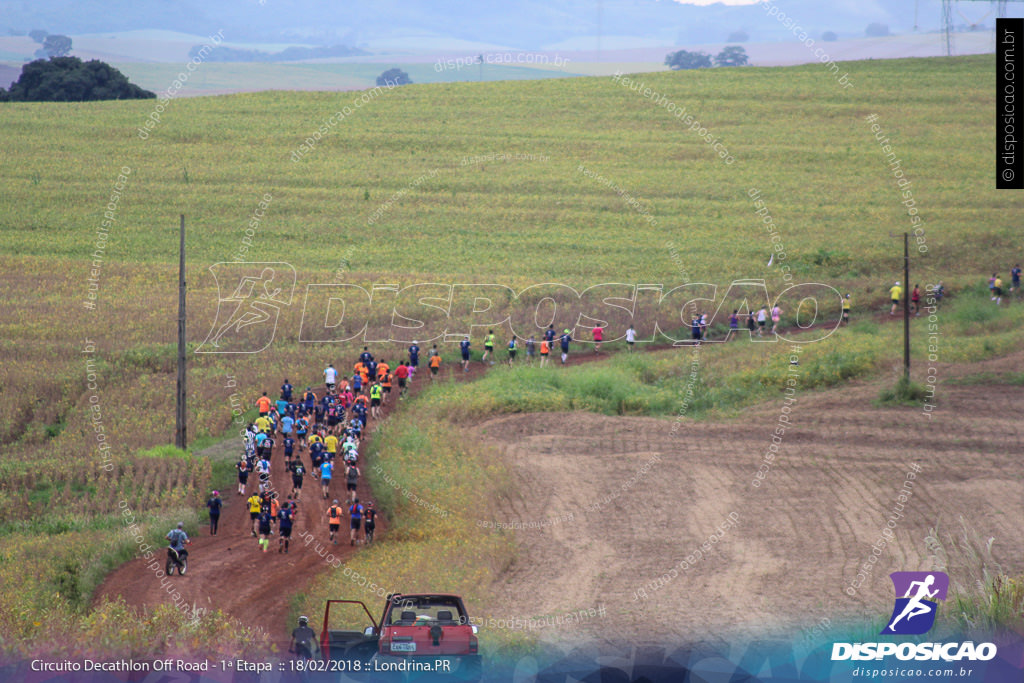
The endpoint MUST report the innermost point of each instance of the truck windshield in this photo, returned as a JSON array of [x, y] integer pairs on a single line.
[[425, 611]]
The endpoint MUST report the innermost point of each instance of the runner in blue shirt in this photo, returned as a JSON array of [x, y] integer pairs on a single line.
[[316, 454], [263, 522], [564, 341], [464, 348], [414, 355], [284, 526], [301, 431], [289, 446], [356, 513], [286, 391], [213, 505], [326, 469], [359, 412]]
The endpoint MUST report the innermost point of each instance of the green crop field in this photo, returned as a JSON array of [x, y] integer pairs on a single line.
[[579, 181]]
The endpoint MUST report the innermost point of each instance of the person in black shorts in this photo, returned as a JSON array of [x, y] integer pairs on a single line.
[[334, 514], [355, 511], [284, 527], [298, 473], [214, 505], [243, 475], [263, 521], [352, 482], [369, 521]]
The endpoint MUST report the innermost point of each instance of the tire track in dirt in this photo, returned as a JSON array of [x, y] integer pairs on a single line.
[[802, 535]]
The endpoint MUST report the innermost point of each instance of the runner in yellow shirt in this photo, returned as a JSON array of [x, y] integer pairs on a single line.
[[255, 504], [895, 292]]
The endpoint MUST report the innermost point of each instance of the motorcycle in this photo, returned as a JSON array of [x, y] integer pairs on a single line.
[[177, 559]]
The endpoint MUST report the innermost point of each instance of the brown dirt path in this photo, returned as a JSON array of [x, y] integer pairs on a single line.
[[229, 572]]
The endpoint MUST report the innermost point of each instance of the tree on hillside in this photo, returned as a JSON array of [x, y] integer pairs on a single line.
[[393, 77], [733, 55], [37, 35], [55, 46], [876, 30], [740, 36], [687, 60], [68, 79]]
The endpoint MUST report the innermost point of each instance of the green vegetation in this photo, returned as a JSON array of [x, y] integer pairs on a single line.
[[985, 378], [433, 484], [69, 79], [905, 393], [984, 599], [74, 372]]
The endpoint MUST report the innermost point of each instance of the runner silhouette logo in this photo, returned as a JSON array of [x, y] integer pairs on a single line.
[[914, 612], [250, 297]]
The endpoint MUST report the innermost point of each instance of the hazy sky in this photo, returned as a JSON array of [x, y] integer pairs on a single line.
[[712, 2]]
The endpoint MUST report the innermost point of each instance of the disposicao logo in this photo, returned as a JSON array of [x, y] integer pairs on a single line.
[[917, 596], [914, 613]]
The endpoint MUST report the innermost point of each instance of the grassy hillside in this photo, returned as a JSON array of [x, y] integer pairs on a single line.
[[796, 136]]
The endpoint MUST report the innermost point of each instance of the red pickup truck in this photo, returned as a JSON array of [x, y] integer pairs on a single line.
[[416, 632]]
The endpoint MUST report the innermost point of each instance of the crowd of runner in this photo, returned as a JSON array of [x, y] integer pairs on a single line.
[[330, 425]]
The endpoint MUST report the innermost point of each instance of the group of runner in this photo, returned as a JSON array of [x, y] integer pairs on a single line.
[[331, 427], [995, 284], [534, 349]]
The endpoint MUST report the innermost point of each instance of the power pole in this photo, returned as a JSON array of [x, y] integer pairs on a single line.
[[180, 436], [906, 306], [947, 25]]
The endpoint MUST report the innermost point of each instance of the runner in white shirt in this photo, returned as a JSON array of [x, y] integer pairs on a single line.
[[630, 338], [330, 377]]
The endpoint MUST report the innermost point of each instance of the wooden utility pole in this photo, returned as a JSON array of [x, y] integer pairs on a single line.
[[906, 306], [180, 435]]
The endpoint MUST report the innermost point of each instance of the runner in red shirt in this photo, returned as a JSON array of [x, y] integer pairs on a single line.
[[402, 374], [598, 338]]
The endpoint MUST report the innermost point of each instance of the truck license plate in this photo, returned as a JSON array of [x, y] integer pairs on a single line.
[[403, 647]]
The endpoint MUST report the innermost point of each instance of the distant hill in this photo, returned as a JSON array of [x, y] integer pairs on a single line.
[[526, 24]]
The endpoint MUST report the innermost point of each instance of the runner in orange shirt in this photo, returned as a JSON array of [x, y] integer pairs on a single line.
[[435, 364], [263, 404], [545, 349], [385, 384]]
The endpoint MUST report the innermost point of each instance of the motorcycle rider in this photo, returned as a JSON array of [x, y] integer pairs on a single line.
[[303, 640], [177, 538]]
